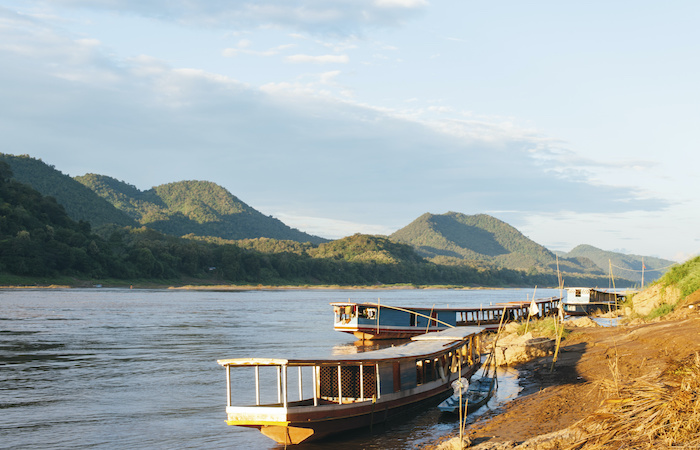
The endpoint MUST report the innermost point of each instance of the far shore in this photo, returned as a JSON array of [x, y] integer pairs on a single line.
[[250, 287]]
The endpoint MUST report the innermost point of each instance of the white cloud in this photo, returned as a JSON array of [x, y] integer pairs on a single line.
[[339, 17], [320, 59], [288, 146], [232, 52], [401, 3]]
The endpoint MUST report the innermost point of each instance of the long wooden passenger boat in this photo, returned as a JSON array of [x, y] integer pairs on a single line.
[[349, 391], [582, 301], [369, 321]]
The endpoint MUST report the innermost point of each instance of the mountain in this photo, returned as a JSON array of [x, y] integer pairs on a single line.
[[201, 208], [455, 238], [38, 238], [79, 202], [624, 266]]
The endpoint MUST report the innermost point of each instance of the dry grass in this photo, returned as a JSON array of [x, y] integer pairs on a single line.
[[648, 413]]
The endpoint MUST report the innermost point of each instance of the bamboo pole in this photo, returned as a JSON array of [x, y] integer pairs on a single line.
[[408, 311]]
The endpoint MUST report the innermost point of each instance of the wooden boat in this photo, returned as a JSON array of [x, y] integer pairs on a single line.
[[350, 391], [584, 301], [474, 397], [374, 321]]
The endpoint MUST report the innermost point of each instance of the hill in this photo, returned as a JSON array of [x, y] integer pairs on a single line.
[[38, 238], [625, 266], [455, 238], [201, 208], [79, 202]]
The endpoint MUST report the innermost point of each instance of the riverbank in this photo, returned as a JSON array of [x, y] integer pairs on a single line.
[[596, 372]]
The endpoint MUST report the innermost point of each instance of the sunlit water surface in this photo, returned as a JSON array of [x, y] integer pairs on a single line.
[[120, 368]]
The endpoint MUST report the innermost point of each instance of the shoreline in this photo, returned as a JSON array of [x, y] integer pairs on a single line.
[[251, 287], [556, 408]]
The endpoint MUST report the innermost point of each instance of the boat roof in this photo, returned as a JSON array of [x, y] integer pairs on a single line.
[[424, 345], [449, 309]]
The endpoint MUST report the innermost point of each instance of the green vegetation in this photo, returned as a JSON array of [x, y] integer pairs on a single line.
[[546, 327], [660, 311], [38, 239], [95, 227], [79, 202], [685, 276]]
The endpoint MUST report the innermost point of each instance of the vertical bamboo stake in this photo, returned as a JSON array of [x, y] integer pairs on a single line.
[[379, 308], [257, 385], [430, 320]]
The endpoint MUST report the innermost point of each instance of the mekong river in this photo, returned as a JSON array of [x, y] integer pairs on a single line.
[[121, 368]]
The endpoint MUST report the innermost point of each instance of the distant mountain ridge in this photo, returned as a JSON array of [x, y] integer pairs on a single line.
[[624, 266], [194, 207], [205, 209], [454, 238], [181, 208]]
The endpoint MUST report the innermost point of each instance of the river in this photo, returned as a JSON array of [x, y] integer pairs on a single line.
[[131, 368]]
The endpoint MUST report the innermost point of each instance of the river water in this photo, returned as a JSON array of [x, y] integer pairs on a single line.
[[128, 368]]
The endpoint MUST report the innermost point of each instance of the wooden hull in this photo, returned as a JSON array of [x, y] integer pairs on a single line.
[[585, 309], [370, 335]]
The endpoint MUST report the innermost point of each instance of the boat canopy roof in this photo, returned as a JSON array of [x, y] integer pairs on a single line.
[[422, 346], [495, 306]]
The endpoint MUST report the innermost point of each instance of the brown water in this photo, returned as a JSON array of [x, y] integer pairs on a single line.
[[119, 368]]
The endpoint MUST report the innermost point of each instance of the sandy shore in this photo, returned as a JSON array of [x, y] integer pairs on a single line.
[[552, 402]]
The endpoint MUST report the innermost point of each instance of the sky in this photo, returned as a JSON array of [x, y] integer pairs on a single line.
[[575, 122]]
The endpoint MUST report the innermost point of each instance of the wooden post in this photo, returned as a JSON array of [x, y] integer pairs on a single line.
[[340, 387], [301, 388], [228, 385], [379, 384], [284, 386], [362, 384], [257, 385], [314, 375], [279, 384]]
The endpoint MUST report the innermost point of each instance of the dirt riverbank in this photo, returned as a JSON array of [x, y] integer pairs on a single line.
[[590, 358]]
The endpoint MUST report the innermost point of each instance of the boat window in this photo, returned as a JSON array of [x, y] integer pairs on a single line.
[[413, 320], [578, 292], [368, 313], [419, 373], [351, 388]]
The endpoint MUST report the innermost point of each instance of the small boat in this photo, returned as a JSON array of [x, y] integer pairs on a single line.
[[585, 301], [367, 321], [476, 395], [349, 391]]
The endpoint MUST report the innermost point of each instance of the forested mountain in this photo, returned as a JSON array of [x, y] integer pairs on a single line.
[[37, 238], [79, 202], [455, 238], [624, 266], [201, 208]]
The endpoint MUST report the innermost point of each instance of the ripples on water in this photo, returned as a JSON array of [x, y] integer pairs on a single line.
[[119, 368]]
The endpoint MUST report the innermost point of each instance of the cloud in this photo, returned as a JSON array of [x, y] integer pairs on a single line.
[[338, 17], [321, 59], [283, 148], [243, 49]]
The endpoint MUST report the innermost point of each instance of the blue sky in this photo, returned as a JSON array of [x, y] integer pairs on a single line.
[[574, 122]]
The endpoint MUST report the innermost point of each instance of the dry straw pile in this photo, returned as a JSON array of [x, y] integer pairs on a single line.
[[662, 413]]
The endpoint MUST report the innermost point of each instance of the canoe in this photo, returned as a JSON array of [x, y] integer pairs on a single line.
[[477, 395]]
